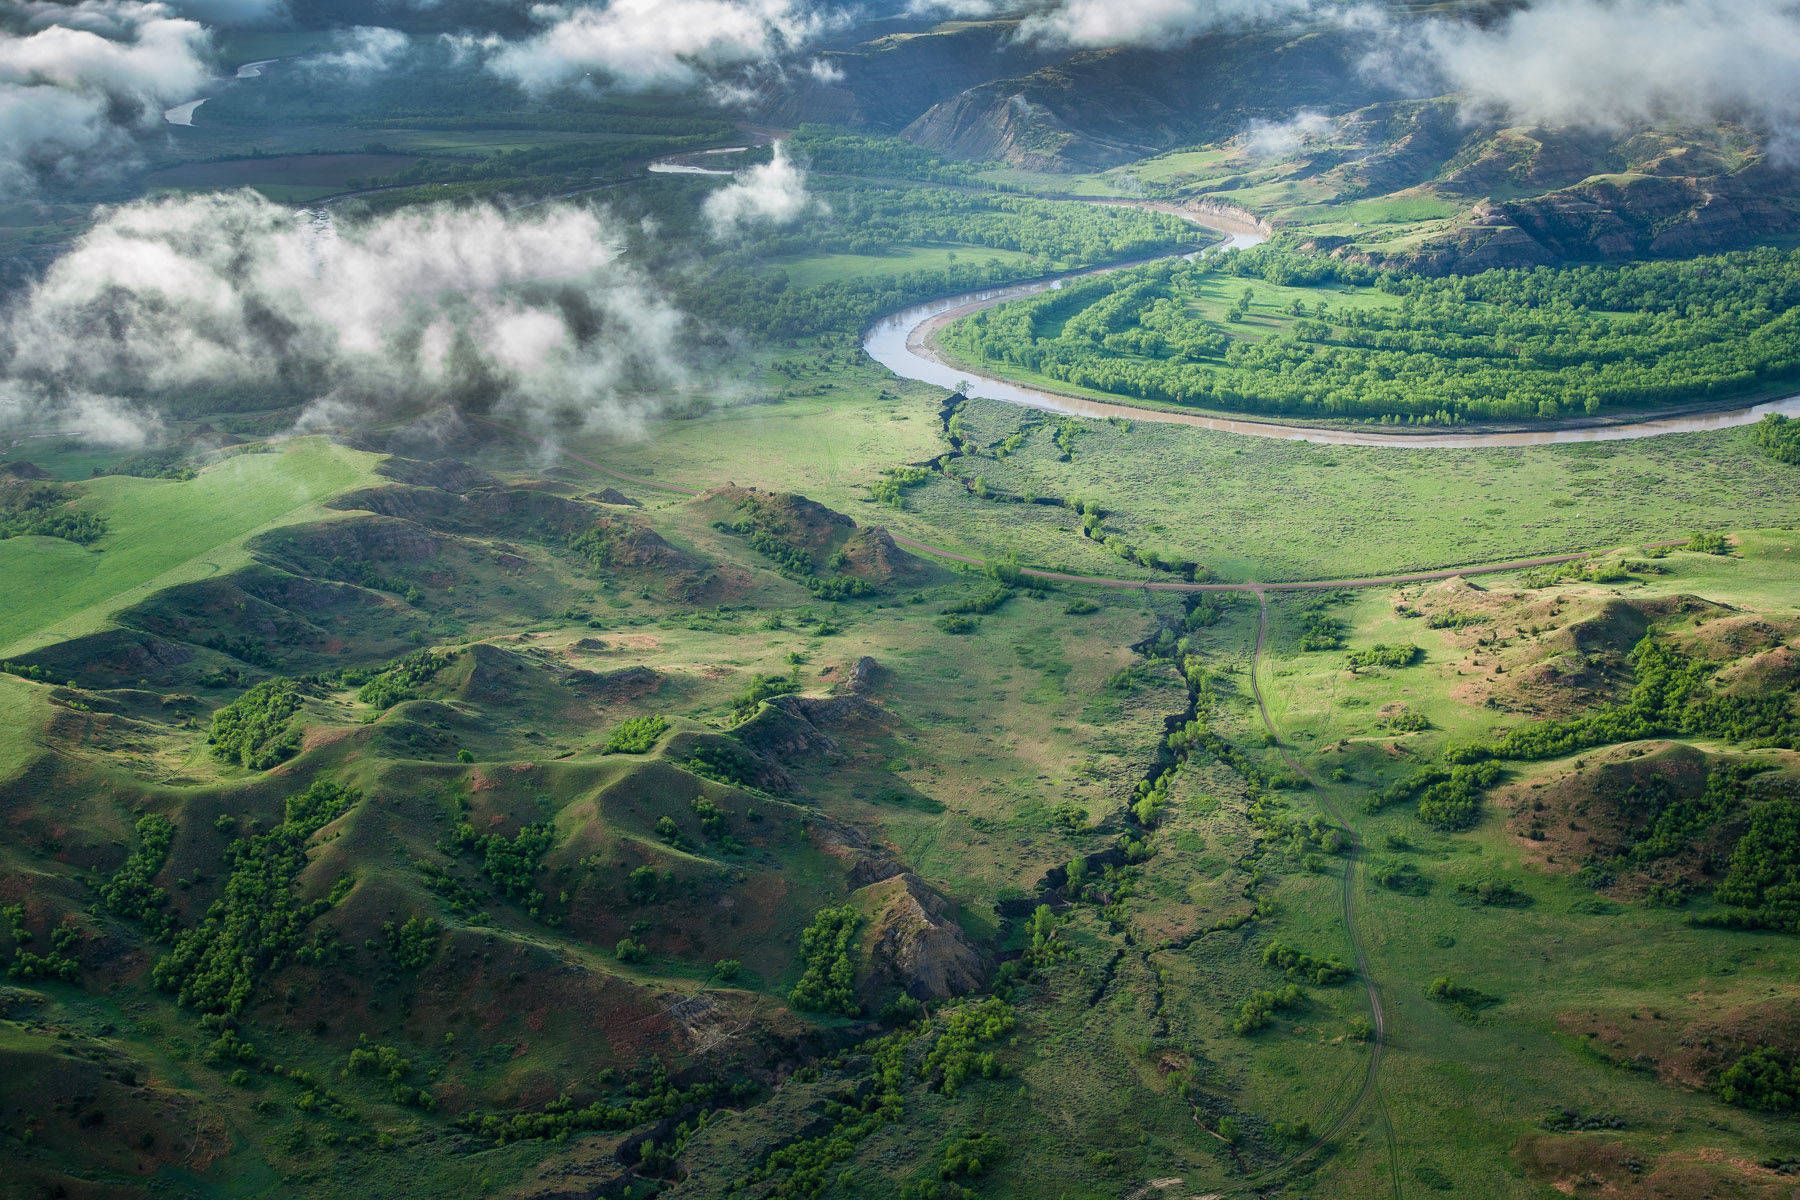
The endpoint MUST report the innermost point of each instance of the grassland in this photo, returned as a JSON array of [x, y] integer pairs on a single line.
[[815, 269], [993, 758], [1246, 508], [164, 532], [507, 929], [294, 178], [1571, 974]]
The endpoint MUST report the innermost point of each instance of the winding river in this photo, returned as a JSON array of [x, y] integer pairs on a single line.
[[903, 343], [183, 114]]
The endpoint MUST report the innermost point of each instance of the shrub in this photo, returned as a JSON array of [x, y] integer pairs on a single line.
[[637, 735], [1709, 543], [400, 679], [1258, 1010], [132, 892], [1385, 656], [1466, 1001], [1763, 881], [1493, 893], [1304, 967], [763, 687], [1765, 1078], [828, 977], [1401, 877], [1780, 436], [256, 923], [511, 862], [253, 730], [413, 944]]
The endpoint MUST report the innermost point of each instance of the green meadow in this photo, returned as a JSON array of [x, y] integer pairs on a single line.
[[164, 532]]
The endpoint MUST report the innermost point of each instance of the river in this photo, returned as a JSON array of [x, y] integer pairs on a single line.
[[183, 114], [903, 343]]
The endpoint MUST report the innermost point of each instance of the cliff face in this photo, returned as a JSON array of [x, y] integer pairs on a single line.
[[1621, 203], [1102, 108], [1508, 196], [1531, 197], [888, 82]]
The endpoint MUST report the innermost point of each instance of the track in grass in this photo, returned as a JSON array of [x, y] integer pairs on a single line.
[[1370, 1089]]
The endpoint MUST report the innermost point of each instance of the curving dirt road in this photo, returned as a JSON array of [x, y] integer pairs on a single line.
[[1353, 860], [1259, 589], [1116, 584]]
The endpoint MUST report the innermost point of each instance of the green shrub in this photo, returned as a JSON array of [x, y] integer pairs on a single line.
[[1780, 436], [412, 944], [511, 862], [637, 735], [1465, 1001], [1303, 967], [132, 892], [1401, 877], [254, 730], [1709, 543], [1258, 1010], [763, 687], [1762, 884], [1493, 893], [828, 975], [256, 923], [400, 679], [1765, 1078], [1385, 656]]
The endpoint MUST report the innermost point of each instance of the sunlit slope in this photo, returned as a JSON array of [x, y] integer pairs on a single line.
[[161, 533]]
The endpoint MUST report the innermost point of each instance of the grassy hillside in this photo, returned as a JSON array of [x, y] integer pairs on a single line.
[[164, 532]]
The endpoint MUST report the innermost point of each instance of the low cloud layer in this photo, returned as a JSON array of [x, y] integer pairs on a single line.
[[647, 44], [1155, 24], [1282, 139], [539, 319], [359, 54], [79, 82], [1146, 24], [765, 196], [1617, 64]]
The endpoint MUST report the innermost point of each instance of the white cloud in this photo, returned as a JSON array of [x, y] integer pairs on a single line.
[[1617, 64], [960, 8], [1281, 139], [823, 70], [84, 416], [540, 318], [1154, 24], [646, 44], [73, 95], [360, 53], [768, 194]]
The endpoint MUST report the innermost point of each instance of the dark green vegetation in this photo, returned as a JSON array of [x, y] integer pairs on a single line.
[[44, 510], [828, 978], [635, 735], [1780, 436], [1672, 694], [377, 824], [879, 248], [255, 731], [1332, 340], [256, 923]]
